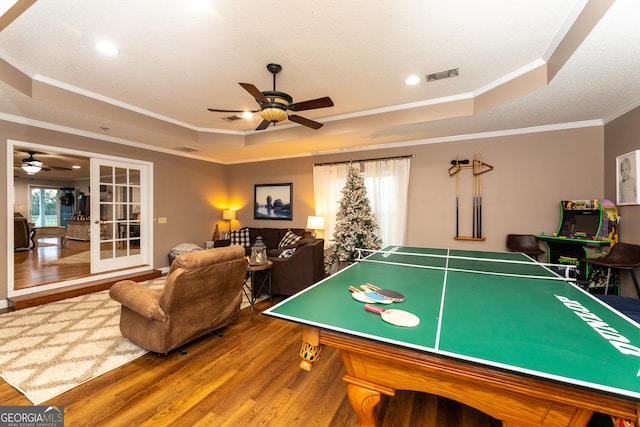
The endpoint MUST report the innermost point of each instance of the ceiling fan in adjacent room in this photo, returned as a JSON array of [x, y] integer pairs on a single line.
[[31, 165], [275, 106]]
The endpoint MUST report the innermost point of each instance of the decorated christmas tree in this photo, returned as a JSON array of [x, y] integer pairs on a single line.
[[356, 225]]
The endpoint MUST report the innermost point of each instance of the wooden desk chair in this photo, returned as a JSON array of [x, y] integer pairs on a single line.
[[525, 243], [622, 256]]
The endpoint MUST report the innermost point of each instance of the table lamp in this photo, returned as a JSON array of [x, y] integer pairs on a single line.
[[315, 223], [228, 215]]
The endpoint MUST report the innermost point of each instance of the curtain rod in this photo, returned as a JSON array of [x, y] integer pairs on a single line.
[[408, 156]]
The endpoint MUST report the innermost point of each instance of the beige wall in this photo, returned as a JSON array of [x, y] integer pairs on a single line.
[[623, 136], [522, 194], [243, 177]]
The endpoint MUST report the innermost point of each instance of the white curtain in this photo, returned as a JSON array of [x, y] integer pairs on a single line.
[[387, 183], [328, 181]]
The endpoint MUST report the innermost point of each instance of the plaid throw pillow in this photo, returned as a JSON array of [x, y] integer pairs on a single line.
[[290, 238], [240, 237]]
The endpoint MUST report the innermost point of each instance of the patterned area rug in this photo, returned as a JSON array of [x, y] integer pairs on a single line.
[[52, 348]]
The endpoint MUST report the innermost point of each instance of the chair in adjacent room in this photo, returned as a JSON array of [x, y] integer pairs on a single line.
[[622, 256], [525, 243], [202, 293], [22, 232]]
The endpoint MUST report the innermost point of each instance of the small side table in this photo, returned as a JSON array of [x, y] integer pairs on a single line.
[[251, 291], [52, 231]]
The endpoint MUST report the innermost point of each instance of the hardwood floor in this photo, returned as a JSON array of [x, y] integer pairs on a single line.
[[250, 377], [31, 268]]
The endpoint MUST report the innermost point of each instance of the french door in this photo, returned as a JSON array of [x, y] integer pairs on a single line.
[[119, 215]]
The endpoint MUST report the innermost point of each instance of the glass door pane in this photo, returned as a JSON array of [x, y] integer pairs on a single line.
[[120, 206], [44, 206]]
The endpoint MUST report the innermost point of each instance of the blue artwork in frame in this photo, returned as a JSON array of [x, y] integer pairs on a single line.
[[273, 201]]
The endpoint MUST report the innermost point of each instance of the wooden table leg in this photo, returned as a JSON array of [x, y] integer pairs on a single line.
[[311, 348], [365, 402]]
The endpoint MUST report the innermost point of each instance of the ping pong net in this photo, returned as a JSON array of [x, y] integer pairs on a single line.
[[491, 263]]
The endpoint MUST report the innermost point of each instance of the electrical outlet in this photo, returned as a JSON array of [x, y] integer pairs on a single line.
[[162, 220]]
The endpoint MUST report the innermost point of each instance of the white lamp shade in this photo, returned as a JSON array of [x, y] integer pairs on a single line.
[[315, 223], [32, 167], [228, 215]]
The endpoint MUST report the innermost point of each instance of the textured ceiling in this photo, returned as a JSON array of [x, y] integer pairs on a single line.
[[522, 64]]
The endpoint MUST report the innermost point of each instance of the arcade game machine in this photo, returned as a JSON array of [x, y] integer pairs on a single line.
[[588, 228]]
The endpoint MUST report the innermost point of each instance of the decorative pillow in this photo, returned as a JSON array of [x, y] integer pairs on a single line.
[[287, 253], [241, 237], [290, 238], [184, 248]]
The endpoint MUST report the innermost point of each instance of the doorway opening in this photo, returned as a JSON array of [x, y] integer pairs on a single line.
[[52, 199]]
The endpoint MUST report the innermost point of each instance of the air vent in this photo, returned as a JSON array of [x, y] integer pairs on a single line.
[[187, 149], [442, 75], [231, 118]]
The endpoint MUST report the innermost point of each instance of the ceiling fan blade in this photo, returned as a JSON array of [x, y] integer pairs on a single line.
[[312, 104], [305, 122], [262, 126], [216, 110], [56, 168], [255, 92]]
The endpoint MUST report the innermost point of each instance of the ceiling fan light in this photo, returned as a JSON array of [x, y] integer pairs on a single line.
[[274, 114], [32, 168]]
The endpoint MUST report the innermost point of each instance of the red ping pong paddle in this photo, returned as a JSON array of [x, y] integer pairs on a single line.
[[395, 317]]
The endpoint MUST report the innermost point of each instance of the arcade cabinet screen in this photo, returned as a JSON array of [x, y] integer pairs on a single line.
[[581, 224]]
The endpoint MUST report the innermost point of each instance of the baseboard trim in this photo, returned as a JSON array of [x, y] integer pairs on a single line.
[[39, 298]]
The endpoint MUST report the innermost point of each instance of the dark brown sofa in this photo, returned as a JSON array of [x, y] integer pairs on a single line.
[[202, 293], [288, 275]]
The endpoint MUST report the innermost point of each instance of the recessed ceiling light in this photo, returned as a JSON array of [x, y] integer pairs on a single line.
[[76, 167], [107, 48], [247, 115], [412, 80], [197, 5]]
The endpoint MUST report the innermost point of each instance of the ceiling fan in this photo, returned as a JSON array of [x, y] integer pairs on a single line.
[[274, 105], [31, 165]]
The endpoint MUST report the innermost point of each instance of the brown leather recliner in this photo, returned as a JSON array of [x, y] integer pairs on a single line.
[[202, 293]]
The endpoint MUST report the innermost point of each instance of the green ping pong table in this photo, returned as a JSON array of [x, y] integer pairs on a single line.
[[498, 332]]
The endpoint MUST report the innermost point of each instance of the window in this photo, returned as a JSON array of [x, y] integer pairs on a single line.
[[44, 206], [387, 182]]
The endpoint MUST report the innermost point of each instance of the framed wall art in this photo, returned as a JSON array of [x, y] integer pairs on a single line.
[[627, 178], [273, 201]]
